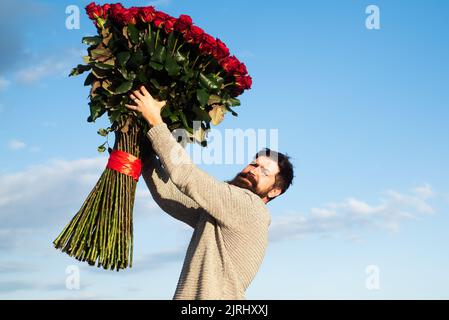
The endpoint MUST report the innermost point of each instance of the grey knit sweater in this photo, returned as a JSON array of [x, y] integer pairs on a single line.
[[230, 223]]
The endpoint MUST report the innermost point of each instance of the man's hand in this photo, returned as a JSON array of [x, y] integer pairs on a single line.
[[149, 107]]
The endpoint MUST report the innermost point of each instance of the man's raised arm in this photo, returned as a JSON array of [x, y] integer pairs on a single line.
[[166, 194], [227, 204]]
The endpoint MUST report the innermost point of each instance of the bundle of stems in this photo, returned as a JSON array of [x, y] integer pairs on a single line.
[[102, 231]]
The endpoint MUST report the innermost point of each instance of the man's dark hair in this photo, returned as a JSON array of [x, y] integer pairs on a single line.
[[284, 178]]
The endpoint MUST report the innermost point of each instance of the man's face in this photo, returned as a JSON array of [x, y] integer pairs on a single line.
[[258, 176]]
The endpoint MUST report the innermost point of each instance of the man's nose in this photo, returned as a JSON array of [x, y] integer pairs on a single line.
[[253, 172]]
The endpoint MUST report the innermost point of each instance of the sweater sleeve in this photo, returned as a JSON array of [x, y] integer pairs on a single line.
[[167, 195], [228, 204]]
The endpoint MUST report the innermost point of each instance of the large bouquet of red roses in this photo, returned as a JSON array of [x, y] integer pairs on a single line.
[[177, 61]]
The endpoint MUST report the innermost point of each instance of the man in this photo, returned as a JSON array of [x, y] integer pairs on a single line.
[[230, 218]]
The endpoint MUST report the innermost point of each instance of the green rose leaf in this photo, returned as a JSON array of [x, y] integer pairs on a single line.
[[159, 55], [92, 41], [100, 73], [142, 76], [201, 114], [127, 75], [104, 66], [124, 87], [214, 99], [180, 58], [166, 112], [100, 54], [89, 79], [102, 132], [149, 42], [79, 69], [133, 34], [233, 102], [123, 57], [96, 111], [115, 116], [203, 96], [232, 111], [209, 82], [155, 84], [86, 59], [156, 65], [172, 67], [171, 41], [137, 58], [102, 148], [185, 122]]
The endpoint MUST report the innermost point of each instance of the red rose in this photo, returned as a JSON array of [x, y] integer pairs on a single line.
[[208, 44], [132, 15], [241, 69], [221, 51], [230, 64], [118, 13], [183, 23], [94, 11], [194, 34], [236, 91], [124, 17], [169, 24], [106, 8], [159, 18], [147, 14], [115, 9], [243, 82]]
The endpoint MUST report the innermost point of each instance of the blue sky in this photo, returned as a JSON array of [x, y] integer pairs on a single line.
[[363, 113]]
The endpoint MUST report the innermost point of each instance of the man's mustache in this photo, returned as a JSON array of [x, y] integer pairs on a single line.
[[248, 176]]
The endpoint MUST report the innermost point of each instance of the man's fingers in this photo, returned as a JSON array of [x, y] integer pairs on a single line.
[[137, 94], [135, 108], [145, 91]]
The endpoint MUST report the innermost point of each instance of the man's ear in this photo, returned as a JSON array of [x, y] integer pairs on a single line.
[[273, 193]]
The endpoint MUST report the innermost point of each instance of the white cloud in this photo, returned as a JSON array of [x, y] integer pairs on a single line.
[[351, 216], [322, 213], [16, 144], [16, 267], [35, 149], [40, 190], [54, 65], [418, 201], [159, 259], [3, 83], [246, 54], [424, 191], [158, 3], [47, 67], [145, 198], [49, 194]]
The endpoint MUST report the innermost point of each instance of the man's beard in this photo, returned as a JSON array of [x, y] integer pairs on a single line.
[[246, 181]]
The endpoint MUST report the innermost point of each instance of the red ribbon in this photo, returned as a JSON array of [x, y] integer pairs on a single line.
[[125, 163]]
